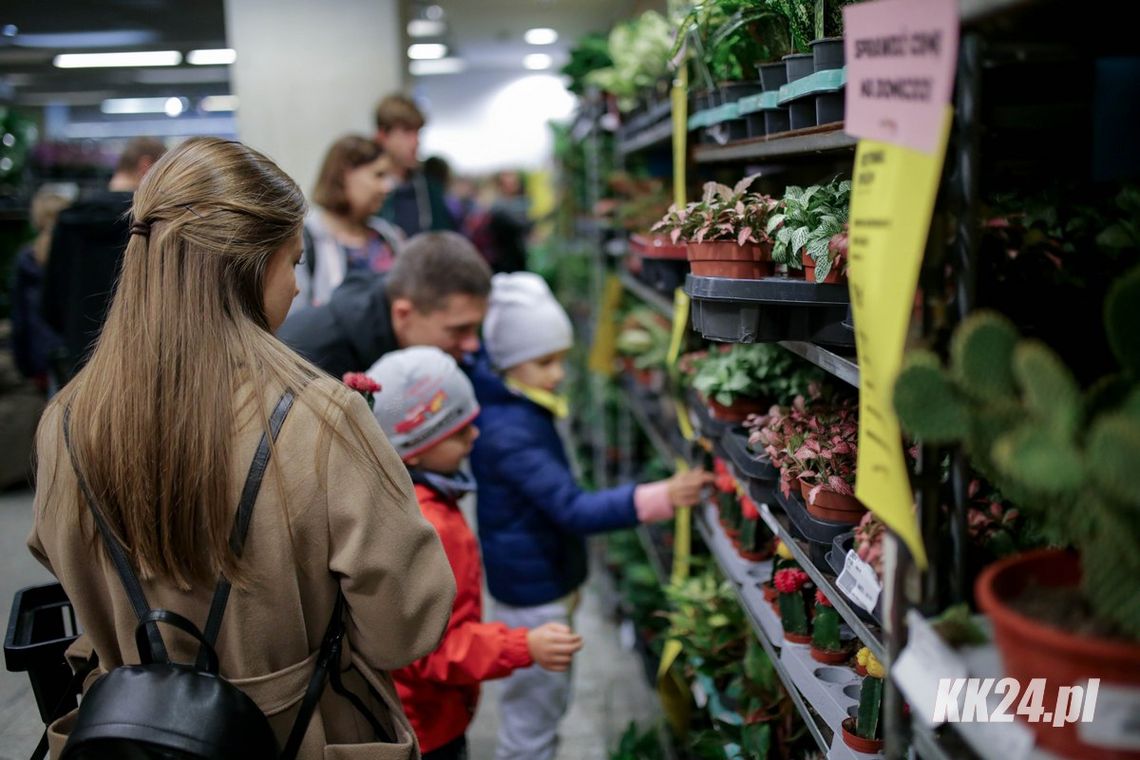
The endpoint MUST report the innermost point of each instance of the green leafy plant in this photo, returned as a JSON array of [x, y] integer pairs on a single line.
[[732, 36], [807, 222], [706, 618], [644, 337], [590, 54], [639, 49], [636, 744], [722, 213], [762, 371], [1066, 457]]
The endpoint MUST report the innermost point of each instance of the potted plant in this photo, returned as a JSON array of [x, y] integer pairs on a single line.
[[826, 455], [738, 382], [643, 344], [784, 559], [755, 541], [639, 51], [1068, 459], [728, 503], [725, 231], [865, 733], [791, 583], [862, 657], [869, 534], [804, 227], [826, 645]]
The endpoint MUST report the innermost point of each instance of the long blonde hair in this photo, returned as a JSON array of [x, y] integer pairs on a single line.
[[152, 412]]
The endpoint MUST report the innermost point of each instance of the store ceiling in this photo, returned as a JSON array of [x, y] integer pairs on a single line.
[[487, 34]]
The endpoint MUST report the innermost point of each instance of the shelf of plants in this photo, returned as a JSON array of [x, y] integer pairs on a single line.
[[658, 134], [780, 146], [647, 295]]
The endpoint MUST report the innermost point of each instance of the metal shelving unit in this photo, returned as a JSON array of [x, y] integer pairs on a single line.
[[647, 294], [842, 367], [660, 132], [810, 144]]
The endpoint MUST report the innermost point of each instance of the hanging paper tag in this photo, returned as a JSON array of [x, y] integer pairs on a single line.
[[859, 582]]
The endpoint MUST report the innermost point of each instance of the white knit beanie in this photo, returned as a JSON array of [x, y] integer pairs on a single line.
[[524, 321], [424, 398]]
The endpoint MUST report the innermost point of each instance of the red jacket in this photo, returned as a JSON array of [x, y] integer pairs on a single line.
[[440, 691]]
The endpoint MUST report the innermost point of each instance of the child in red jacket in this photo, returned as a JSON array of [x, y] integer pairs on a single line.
[[426, 407]]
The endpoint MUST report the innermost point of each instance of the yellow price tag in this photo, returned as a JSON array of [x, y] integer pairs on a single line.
[[892, 200], [605, 328]]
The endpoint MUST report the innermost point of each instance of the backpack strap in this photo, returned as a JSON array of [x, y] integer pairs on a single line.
[[241, 525], [115, 549]]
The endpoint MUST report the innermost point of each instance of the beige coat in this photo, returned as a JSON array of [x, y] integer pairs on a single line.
[[350, 528]]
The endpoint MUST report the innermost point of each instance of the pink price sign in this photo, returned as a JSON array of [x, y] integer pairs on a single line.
[[901, 56]]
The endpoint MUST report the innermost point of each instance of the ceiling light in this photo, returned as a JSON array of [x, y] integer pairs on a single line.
[[107, 60], [214, 103], [437, 66], [434, 12], [425, 27], [541, 36], [174, 107], [537, 61], [212, 57], [134, 105], [426, 51]]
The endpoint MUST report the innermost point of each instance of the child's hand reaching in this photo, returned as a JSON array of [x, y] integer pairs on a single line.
[[552, 645], [685, 487]]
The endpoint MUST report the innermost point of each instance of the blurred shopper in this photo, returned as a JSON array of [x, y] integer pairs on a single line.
[[416, 203], [427, 408], [509, 225], [159, 428], [342, 232], [434, 295], [533, 515], [86, 250], [34, 343], [458, 192]]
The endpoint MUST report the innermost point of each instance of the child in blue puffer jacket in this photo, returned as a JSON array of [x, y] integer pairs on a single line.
[[533, 516]]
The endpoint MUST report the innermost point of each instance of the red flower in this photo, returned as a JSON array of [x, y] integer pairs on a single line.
[[790, 580], [361, 382], [821, 599], [748, 509]]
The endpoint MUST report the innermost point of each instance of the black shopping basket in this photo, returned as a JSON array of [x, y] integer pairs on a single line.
[[41, 627]]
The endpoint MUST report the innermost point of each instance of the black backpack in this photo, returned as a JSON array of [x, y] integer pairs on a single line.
[[169, 710]]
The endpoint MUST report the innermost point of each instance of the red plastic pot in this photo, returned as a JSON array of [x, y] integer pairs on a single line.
[[738, 411], [724, 258], [1032, 648], [858, 743], [828, 657], [832, 506], [657, 247], [833, 277]]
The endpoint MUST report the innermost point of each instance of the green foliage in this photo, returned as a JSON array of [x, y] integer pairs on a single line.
[[870, 705], [735, 35], [1065, 457], [639, 49], [636, 744], [755, 370], [722, 213], [644, 335], [807, 221], [591, 53], [957, 628], [1122, 319]]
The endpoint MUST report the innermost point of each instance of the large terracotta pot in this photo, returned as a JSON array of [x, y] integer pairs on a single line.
[[1033, 648], [832, 506], [833, 277], [724, 258], [740, 409]]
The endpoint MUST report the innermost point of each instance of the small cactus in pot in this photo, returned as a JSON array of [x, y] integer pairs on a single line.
[[790, 584]]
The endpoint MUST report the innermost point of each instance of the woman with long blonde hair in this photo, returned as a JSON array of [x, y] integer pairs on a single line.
[[162, 423]]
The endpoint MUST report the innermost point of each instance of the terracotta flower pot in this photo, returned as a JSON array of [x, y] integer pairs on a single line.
[[832, 506], [755, 556], [858, 743], [797, 638], [828, 657], [860, 671], [1033, 648], [724, 258], [833, 277], [770, 592], [740, 409]]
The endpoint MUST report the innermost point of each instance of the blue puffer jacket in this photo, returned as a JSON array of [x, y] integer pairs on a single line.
[[533, 516]]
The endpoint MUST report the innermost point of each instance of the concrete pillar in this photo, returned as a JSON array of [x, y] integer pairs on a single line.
[[309, 71]]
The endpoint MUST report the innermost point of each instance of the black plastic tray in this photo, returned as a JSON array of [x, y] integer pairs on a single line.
[[764, 491], [816, 531], [663, 275], [768, 310], [836, 559], [747, 462], [706, 425]]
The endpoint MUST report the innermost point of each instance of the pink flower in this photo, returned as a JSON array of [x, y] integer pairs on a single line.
[[361, 382], [790, 580], [821, 599]]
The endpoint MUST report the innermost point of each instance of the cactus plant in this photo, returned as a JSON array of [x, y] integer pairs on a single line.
[[789, 583], [871, 701], [1064, 456], [825, 625]]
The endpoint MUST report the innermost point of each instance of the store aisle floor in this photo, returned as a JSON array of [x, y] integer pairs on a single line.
[[609, 686]]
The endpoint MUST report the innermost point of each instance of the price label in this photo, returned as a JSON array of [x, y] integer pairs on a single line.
[[859, 582], [1115, 718]]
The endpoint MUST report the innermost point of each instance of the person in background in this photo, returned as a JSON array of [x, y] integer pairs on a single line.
[[509, 223], [458, 193], [207, 278], [342, 232], [86, 250], [434, 295], [533, 515], [416, 203], [34, 343], [426, 407]]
